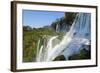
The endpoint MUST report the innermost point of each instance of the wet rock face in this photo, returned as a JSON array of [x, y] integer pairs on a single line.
[[59, 58]]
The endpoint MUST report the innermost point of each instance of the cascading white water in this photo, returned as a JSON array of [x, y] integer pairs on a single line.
[[57, 28], [78, 35], [43, 53]]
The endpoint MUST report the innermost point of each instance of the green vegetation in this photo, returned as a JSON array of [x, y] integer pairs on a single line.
[[30, 40], [69, 17]]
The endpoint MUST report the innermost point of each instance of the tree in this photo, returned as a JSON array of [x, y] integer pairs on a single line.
[[69, 17], [26, 28]]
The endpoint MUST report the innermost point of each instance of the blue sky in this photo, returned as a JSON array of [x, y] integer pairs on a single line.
[[40, 18]]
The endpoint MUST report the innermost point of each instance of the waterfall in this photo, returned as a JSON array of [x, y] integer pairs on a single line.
[[78, 35], [43, 53], [57, 28]]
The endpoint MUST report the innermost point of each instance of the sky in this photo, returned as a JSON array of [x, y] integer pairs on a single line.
[[39, 19]]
